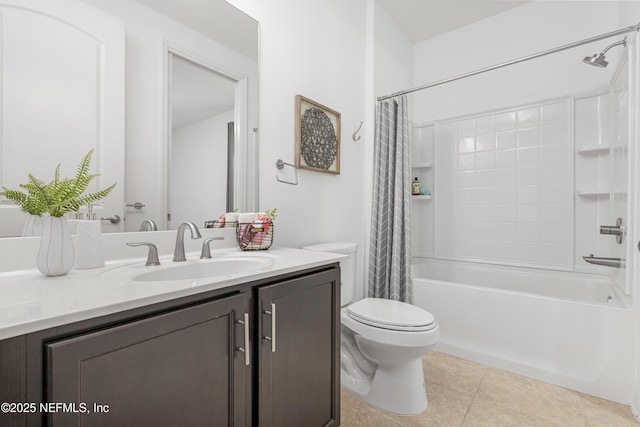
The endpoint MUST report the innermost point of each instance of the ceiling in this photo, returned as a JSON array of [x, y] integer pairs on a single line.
[[425, 19]]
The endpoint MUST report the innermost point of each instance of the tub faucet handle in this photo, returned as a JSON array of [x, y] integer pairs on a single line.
[[617, 230]]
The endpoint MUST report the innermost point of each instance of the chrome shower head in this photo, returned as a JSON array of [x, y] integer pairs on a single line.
[[598, 59]]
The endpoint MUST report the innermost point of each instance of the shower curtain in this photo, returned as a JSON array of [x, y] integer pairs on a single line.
[[390, 247]]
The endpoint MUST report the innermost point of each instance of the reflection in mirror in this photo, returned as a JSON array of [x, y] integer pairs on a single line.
[[214, 30], [201, 147]]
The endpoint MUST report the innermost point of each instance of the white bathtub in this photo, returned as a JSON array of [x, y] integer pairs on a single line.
[[570, 329]]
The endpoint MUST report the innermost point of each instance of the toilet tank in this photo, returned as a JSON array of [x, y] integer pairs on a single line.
[[347, 266]]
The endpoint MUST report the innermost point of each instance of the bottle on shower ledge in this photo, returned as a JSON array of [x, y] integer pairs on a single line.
[[415, 187]]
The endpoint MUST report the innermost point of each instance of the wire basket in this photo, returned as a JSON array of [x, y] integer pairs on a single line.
[[220, 224], [254, 237]]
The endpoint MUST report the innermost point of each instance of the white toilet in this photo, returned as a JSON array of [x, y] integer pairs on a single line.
[[383, 342]]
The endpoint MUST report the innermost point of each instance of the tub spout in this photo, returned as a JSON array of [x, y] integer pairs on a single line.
[[607, 262]]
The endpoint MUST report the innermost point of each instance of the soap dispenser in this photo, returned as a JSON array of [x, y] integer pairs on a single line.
[[88, 243]]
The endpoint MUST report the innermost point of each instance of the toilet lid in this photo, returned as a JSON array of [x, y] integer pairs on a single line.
[[389, 314]]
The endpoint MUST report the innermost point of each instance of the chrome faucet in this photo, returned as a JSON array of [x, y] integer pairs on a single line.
[[178, 253], [206, 251], [148, 225]]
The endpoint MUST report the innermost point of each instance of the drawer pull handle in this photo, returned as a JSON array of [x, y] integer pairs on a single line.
[[272, 338], [245, 350]]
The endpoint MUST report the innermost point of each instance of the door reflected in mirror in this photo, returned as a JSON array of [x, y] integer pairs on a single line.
[[201, 144]]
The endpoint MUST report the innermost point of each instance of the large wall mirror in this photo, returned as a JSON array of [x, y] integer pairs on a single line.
[[201, 141], [134, 121]]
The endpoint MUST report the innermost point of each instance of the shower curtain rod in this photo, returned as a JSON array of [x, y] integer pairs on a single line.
[[515, 61]]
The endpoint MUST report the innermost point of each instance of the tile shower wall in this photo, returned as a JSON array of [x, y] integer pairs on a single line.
[[503, 183]]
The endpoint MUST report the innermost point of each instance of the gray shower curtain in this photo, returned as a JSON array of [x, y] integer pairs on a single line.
[[390, 247]]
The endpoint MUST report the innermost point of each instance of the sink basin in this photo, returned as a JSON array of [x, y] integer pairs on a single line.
[[207, 268]]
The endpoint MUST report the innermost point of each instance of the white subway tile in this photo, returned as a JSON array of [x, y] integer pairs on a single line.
[[553, 134], [485, 160], [529, 117], [506, 213], [466, 161], [506, 121], [553, 112], [485, 124], [505, 140], [506, 158], [506, 177], [466, 127], [551, 154], [486, 142], [528, 156], [527, 194], [466, 145], [528, 138], [528, 175]]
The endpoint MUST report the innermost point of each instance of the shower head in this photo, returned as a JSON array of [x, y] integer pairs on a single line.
[[598, 59]]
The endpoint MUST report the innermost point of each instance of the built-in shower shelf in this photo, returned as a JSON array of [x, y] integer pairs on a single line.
[[422, 165], [587, 192], [425, 197], [598, 149]]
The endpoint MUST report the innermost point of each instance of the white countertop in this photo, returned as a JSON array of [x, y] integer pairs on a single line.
[[31, 302]]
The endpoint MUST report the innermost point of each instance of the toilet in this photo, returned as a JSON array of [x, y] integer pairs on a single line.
[[382, 343]]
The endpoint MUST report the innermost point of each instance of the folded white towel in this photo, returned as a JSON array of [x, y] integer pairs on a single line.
[[230, 219]]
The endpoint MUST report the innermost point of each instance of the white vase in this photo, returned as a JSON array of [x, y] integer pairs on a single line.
[[32, 226], [56, 255]]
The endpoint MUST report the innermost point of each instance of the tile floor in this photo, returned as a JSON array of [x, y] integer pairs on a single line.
[[464, 393]]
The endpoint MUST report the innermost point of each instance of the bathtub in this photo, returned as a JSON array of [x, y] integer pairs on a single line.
[[574, 330]]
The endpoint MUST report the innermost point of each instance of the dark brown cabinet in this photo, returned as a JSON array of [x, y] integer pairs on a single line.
[[265, 353], [299, 353], [177, 368]]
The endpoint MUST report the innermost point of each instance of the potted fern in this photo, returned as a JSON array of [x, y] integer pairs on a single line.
[[57, 198]]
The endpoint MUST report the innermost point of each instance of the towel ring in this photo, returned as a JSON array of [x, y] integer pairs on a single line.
[[280, 164]]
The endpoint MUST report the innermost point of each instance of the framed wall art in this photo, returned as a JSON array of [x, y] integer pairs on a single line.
[[317, 144]]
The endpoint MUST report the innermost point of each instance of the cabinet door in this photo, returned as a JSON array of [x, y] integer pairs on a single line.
[[299, 371], [178, 368]]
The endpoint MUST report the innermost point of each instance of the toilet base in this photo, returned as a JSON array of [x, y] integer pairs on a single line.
[[397, 389]]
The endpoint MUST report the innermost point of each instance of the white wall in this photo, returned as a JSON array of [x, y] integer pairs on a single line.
[[318, 50], [145, 103], [199, 150], [534, 27]]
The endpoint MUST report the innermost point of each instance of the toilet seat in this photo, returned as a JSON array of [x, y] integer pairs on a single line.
[[391, 315]]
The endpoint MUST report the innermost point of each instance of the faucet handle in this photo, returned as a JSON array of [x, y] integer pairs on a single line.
[[152, 257], [206, 252]]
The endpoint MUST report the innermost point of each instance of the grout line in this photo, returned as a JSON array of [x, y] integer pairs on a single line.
[[473, 397]]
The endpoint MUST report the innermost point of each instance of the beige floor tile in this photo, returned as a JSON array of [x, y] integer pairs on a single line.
[[556, 405], [604, 413], [347, 402], [446, 408], [487, 414], [365, 415], [452, 372]]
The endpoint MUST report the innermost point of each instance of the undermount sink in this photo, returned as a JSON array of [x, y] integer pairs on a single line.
[[208, 268]]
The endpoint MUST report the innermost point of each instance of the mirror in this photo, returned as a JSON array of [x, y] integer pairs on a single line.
[[201, 143], [214, 35]]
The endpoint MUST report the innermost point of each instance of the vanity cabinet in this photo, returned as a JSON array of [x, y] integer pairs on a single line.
[[177, 368], [187, 361], [299, 329]]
